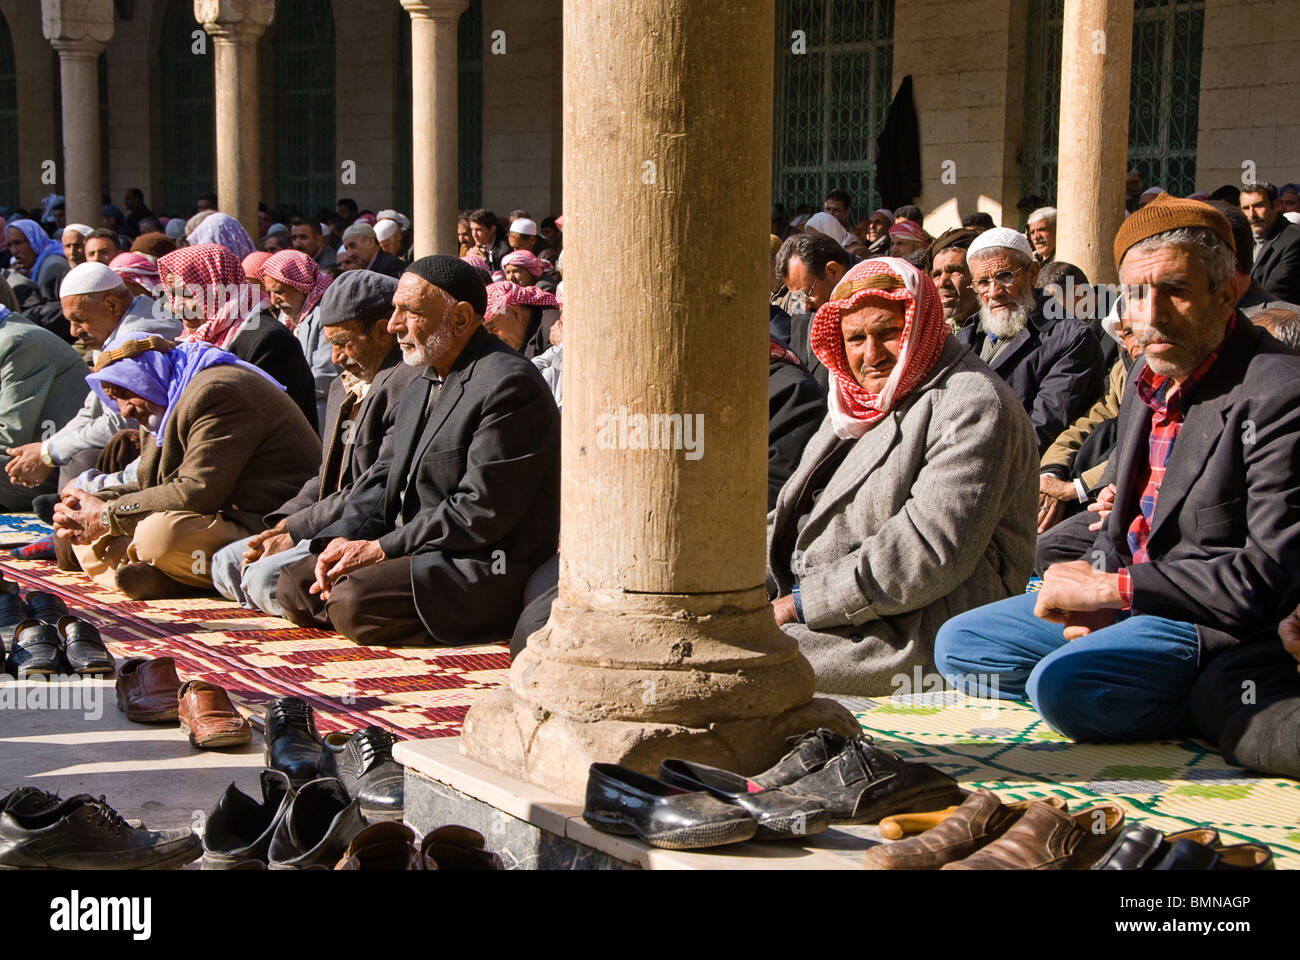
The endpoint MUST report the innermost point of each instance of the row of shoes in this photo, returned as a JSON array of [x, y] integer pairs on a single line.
[[39, 638], [983, 833], [40, 831], [320, 827], [150, 691], [823, 779]]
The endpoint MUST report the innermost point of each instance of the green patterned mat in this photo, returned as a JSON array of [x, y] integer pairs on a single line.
[[1005, 746]]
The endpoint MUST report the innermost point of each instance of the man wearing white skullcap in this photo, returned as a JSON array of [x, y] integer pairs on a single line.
[[74, 242], [1051, 362], [101, 313], [389, 235], [523, 235]]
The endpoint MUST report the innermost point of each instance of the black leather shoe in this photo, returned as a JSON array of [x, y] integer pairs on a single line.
[[35, 650], [316, 829], [1140, 847], [779, 815], [7, 585], [12, 612], [45, 607], [809, 753], [623, 801], [82, 833], [292, 744], [367, 770], [863, 783], [240, 829], [83, 648]]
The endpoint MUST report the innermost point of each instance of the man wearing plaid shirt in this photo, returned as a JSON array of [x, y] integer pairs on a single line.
[[1199, 538]]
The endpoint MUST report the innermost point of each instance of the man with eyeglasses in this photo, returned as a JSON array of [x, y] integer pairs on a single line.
[[810, 265], [1054, 366]]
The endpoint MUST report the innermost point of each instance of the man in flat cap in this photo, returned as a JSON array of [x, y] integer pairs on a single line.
[[438, 537], [102, 314], [359, 416], [1156, 631]]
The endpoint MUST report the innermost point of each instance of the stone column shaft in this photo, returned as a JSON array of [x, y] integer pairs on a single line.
[[235, 26], [662, 641], [1097, 49], [80, 30], [435, 123]]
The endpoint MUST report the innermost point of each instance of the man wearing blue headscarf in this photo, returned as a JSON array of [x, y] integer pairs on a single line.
[[221, 446], [35, 273]]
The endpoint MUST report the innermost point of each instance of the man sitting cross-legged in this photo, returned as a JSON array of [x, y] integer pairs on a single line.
[[360, 415], [223, 444], [1197, 558], [438, 537]]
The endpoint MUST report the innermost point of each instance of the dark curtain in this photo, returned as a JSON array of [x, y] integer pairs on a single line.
[[898, 151]]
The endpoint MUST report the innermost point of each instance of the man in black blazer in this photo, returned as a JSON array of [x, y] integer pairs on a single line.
[[1050, 360], [360, 414], [1277, 258], [1197, 557], [438, 537], [360, 241]]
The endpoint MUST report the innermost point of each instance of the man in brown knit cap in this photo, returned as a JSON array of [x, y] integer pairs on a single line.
[[1154, 633]]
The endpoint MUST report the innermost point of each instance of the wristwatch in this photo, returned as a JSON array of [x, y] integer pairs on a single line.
[[106, 518], [45, 454]]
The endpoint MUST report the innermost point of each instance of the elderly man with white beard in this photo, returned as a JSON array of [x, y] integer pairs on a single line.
[[1055, 366], [440, 533]]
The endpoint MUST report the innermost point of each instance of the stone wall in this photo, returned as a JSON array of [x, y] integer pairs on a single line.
[[35, 65], [1250, 86], [521, 107], [967, 73], [366, 68]]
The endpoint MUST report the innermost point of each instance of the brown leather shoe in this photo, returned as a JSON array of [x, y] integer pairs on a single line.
[[980, 820], [456, 848], [1045, 838], [208, 716], [144, 581], [146, 689], [383, 846]]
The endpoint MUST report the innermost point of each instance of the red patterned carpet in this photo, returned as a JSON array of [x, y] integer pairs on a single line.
[[415, 692]]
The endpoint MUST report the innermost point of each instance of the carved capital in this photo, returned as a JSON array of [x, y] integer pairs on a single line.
[[78, 26], [435, 9], [235, 19]]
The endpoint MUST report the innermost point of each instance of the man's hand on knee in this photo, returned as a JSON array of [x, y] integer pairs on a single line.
[[26, 467], [79, 517], [1079, 596], [341, 557], [268, 543]]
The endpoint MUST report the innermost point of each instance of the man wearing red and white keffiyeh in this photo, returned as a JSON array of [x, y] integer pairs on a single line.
[[208, 291]]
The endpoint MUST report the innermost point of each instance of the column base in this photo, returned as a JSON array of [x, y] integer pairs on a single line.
[[555, 752]]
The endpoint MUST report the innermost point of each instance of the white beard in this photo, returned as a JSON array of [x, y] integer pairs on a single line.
[[435, 345], [1006, 322]]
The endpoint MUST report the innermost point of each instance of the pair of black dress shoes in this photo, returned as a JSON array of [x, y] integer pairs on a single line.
[[823, 779], [362, 761], [38, 638]]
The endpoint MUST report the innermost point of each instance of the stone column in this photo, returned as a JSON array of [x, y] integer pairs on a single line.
[[235, 26], [435, 124], [662, 642], [80, 30], [1097, 50]]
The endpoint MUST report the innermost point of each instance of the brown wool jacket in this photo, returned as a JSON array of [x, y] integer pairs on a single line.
[[235, 445]]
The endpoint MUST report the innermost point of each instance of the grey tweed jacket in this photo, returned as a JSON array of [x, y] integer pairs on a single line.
[[932, 512]]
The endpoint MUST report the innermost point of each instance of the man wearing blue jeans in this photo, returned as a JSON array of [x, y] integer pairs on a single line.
[[1198, 539]]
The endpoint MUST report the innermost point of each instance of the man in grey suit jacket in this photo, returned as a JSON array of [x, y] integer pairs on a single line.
[[102, 314], [359, 416], [914, 501], [438, 537]]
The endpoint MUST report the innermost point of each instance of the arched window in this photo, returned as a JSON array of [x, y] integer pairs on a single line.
[[305, 174], [8, 120], [1164, 94], [188, 113], [834, 83]]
